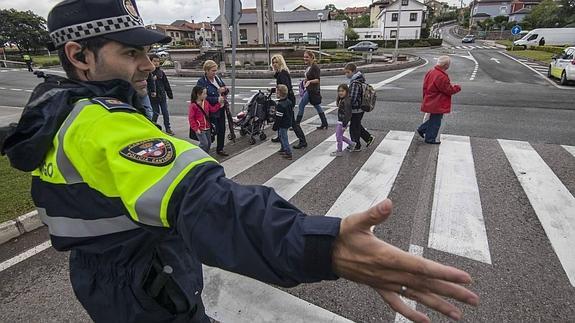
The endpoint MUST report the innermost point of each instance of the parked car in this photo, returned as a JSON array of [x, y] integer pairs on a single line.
[[163, 54], [563, 66], [365, 46], [468, 39]]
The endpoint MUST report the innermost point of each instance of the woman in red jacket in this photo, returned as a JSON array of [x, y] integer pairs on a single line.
[[437, 92], [199, 116]]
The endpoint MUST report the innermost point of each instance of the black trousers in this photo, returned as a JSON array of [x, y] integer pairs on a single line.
[[357, 131], [219, 120], [29, 65], [297, 129]]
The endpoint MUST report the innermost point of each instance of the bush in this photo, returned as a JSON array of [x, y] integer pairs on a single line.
[[403, 43], [328, 44], [549, 49], [45, 61]]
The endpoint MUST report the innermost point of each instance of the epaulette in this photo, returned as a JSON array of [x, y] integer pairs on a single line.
[[113, 104]]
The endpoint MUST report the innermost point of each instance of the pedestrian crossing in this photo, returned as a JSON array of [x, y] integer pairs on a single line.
[[542, 69], [456, 226], [471, 47]]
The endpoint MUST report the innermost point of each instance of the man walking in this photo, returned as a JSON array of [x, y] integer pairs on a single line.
[[356, 129], [437, 92], [160, 91], [28, 60]]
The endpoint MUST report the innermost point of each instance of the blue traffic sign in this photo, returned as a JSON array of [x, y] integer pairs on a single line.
[[516, 29]]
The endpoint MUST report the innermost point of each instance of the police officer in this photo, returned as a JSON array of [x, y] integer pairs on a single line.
[[28, 60], [141, 210]]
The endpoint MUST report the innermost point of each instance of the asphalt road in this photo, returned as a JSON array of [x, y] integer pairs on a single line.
[[519, 266]]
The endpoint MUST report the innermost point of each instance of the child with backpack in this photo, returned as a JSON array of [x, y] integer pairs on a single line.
[[344, 107], [283, 120], [198, 117]]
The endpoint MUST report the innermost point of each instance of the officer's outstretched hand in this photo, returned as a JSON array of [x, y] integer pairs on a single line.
[[361, 257]]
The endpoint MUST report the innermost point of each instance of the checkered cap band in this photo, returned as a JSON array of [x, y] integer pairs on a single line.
[[94, 28]]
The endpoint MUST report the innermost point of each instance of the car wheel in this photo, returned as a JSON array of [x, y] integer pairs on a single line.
[[564, 78], [549, 72]]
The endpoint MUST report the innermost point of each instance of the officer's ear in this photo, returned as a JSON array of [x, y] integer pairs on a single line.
[[78, 57]]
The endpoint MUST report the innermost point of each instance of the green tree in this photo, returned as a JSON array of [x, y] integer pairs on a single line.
[[361, 22], [331, 7], [544, 15], [25, 29], [350, 34], [501, 21], [567, 12]]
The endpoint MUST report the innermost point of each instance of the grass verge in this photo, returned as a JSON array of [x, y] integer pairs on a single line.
[[537, 55], [15, 198], [45, 60], [507, 43]]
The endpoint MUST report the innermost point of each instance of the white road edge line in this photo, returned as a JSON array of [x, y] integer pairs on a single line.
[[550, 199], [25, 255], [416, 251], [475, 69], [570, 149], [457, 225], [537, 72], [8, 107]]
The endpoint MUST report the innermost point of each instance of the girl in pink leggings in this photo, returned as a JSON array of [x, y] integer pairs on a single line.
[[343, 118]]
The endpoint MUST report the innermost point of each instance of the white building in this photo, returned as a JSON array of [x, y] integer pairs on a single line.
[[330, 30], [369, 33], [411, 20]]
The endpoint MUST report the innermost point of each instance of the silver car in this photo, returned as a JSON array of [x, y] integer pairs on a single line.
[[365, 46]]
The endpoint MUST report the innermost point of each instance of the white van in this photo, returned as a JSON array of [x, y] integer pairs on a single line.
[[547, 36]]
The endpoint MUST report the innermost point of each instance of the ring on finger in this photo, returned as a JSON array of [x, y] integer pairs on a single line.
[[402, 290]]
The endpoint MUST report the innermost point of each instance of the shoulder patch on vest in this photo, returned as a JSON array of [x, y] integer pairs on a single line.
[[113, 104], [155, 152]]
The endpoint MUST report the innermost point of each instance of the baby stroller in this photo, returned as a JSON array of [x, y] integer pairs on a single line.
[[259, 110]]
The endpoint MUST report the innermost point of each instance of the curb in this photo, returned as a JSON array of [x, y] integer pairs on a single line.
[[14, 228], [531, 60]]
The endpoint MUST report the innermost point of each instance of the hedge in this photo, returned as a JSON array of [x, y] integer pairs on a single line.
[[403, 43], [550, 49]]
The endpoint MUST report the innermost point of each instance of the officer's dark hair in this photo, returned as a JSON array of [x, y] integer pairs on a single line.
[[92, 44], [196, 91], [350, 67], [152, 56]]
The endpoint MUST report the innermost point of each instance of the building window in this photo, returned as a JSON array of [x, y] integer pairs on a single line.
[[243, 34], [503, 10], [280, 36], [405, 2], [392, 34], [172, 34], [177, 34], [293, 36], [413, 16], [367, 36], [313, 35], [394, 16]]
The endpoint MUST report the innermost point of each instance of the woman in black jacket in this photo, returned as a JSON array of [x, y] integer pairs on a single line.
[[282, 76], [310, 90]]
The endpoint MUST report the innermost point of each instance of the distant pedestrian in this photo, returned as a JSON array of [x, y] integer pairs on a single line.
[[437, 92], [216, 88], [283, 120], [198, 116], [160, 90], [282, 76], [343, 118], [28, 60], [310, 89], [356, 129]]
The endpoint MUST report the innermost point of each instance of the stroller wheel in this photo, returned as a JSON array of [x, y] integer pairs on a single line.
[[243, 132], [263, 136], [252, 141]]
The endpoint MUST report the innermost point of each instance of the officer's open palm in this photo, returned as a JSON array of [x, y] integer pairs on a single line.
[[361, 257]]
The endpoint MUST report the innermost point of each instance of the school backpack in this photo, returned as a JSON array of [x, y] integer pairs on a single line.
[[368, 97]]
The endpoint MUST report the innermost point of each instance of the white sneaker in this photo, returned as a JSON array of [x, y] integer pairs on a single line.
[[336, 154], [351, 147]]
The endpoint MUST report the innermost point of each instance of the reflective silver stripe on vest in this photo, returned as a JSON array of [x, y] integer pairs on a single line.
[[79, 228], [148, 206], [68, 170]]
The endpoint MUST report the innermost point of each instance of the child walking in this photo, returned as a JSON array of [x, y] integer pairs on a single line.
[[343, 118], [198, 117], [283, 120]]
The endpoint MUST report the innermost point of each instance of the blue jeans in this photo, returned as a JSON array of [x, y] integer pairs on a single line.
[[431, 127], [205, 140], [283, 133], [161, 103], [304, 101]]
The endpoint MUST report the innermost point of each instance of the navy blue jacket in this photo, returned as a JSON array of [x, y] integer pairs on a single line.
[[213, 91]]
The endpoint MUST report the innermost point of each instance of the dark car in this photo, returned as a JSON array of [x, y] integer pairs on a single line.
[[365, 46], [468, 39]]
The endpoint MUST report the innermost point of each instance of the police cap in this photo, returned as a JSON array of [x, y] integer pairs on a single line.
[[119, 20]]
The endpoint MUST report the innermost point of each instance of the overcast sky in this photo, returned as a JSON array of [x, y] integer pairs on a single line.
[[166, 11]]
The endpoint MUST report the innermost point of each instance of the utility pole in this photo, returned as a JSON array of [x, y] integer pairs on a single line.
[[320, 17], [396, 52], [225, 27]]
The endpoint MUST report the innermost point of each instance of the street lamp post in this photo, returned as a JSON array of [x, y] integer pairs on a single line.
[[320, 17]]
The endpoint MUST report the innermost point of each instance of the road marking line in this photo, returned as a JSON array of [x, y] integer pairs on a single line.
[[398, 76], [475, 69], [8, 107], [16, 90], [457, 224], [522, 62], [376, 177], [294, 177], [25, 255], [570, 149], [416, 251], [230, 297], [551, 200]]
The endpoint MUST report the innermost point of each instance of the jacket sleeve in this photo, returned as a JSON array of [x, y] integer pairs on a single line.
[[347, 108], [444, 86], [151, 84], [192, 118], [354, 94], [212, 108], [167, 86], [251, 230]]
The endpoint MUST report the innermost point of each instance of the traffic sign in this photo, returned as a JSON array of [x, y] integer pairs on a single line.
[[233, 11], [516, 30]]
